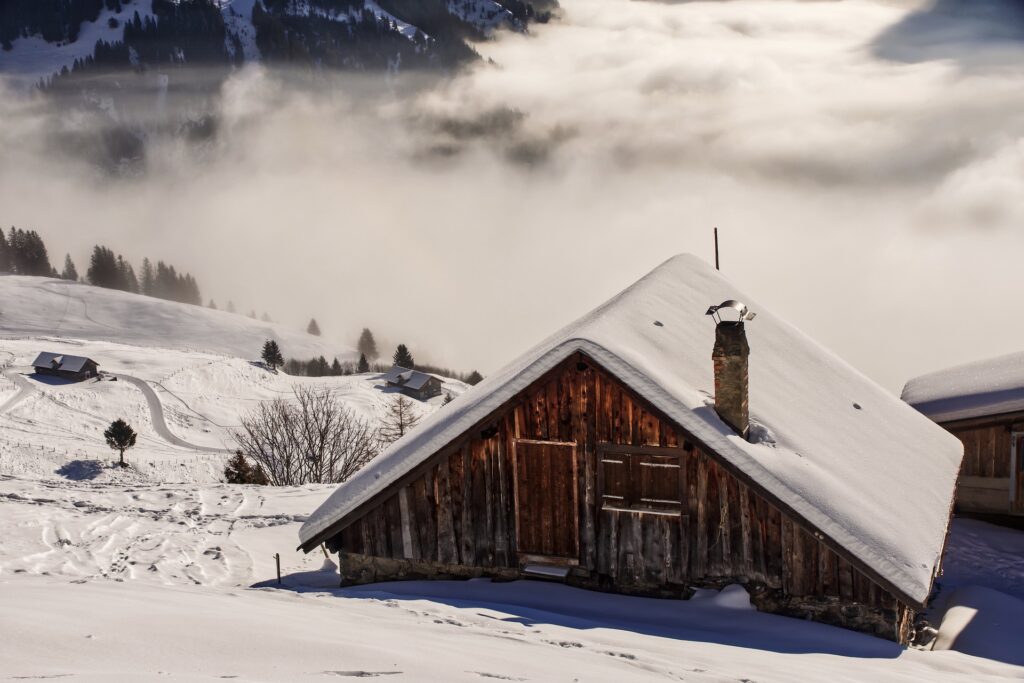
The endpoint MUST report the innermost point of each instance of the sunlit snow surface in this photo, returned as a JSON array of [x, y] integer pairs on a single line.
[[159, 572]]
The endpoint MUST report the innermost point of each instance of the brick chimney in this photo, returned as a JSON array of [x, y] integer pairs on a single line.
[[731, 361]]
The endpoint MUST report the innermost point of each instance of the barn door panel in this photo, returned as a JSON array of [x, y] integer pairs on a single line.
[[1017, 475], [546, 510]]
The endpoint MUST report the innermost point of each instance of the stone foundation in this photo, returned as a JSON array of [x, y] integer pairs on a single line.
[[896, 624]]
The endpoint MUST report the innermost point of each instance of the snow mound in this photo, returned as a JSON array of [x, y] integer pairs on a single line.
[[983, 622], [987, 387]]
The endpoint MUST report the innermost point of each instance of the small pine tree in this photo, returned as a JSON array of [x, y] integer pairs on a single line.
[[231, 306], [313, 328], [400, 419], [336, 369], [403, 357], [70, 272], [271, 355], [239, 471], [252, 314], [447, 398], [364, 365], [120, 437], [213, 304], [5, 253], [367, 345], [474, 378], [265, 317], [146, 284]]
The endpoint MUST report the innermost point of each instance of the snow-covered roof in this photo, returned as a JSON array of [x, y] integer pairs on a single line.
[[394, 375], [412, 379], [979, 389], [416, 380], [57, 361], [854, 461]]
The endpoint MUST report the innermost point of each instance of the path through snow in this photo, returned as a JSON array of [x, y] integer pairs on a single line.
[[156, 411]]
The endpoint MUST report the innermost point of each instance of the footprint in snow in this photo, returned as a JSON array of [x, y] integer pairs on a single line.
[[359, 674], [564, 643], [623, 655]]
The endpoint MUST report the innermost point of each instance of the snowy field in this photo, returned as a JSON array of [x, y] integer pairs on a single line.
[[143, 581], [161, 572]]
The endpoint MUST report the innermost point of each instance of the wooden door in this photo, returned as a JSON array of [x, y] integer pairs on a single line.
[[1017, 475], [547, 523]]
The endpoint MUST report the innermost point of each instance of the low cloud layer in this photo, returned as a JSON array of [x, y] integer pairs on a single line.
[[874, 197]]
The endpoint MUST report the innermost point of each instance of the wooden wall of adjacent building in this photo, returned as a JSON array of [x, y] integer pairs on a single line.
[[985, 475], [459, 510]]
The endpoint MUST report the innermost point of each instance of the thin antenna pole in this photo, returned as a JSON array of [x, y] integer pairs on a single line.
[[717, 266]]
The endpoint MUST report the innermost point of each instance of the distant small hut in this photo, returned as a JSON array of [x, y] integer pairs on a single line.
[[627, 453], [418, 385], [76, 368], [982, 404]]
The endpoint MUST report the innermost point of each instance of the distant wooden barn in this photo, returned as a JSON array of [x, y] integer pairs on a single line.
[[75, 368], [627, 453], [982, 404], [414, 383]]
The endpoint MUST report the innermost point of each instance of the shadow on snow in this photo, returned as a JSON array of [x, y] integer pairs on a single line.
[[724, 618]]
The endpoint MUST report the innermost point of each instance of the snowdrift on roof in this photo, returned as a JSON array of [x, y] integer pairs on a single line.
[[854, 461], [988, 387]]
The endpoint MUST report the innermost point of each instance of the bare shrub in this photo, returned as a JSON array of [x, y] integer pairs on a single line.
[[312, 439]]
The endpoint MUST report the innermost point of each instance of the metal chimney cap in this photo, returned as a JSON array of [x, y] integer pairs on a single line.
[[738, 306]]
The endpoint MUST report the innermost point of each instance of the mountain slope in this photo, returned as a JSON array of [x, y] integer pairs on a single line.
[[34, 306], [100, 35]]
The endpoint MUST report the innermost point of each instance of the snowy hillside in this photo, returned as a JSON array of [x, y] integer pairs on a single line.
[[32, 306], [186, 375], [183, 404], [241, 27]]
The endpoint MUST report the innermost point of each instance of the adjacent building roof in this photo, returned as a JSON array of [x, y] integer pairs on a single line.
[[58, 361], [851, 459], [979, 389], [413, 379]]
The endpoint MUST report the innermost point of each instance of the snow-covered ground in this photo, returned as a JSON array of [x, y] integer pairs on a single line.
[[144, 582], [160, 572]]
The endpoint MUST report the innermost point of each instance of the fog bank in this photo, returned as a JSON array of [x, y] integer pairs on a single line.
[[872, 195]]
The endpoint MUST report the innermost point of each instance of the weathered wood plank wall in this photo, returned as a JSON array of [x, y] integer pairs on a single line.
[[713, 531], [986, 451]]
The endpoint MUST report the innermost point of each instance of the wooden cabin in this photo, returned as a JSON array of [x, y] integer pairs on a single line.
[[982, 404], [75, 368], [651, 449], [418, 385]]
